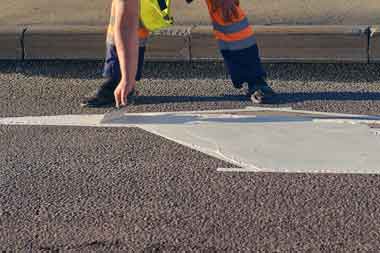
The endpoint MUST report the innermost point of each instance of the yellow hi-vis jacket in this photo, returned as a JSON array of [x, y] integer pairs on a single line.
[[155, 14]]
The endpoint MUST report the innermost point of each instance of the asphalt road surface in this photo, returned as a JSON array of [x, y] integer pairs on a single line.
[[77, 189]]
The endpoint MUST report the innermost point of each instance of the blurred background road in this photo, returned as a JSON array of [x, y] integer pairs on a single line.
[[284, 12]]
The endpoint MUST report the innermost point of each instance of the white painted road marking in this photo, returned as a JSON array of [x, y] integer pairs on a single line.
[[254, 139]]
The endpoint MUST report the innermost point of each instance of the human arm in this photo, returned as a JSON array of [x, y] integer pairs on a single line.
[[126, 42]]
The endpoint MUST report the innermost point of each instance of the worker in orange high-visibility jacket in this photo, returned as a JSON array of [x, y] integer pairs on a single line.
[[237, 45]]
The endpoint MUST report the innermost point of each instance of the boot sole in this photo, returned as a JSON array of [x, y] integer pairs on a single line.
[[257, 97]]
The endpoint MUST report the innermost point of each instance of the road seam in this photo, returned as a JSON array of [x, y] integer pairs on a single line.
[[22, 43]]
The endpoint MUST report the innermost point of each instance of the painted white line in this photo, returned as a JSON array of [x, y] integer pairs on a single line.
[[211, 152], [292, 171], [100, 120], [94, 120], [59, 120], [201, 112], [301, 147], [253, 143], [331, 114], [347, 121], [251, 109], [97, 120], [230, 169], [243, 169]]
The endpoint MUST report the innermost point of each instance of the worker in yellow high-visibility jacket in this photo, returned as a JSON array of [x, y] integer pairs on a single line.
[[124, 59], [236, 41]]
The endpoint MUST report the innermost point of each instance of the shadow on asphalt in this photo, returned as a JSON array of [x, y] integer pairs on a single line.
[[181, 119], [199, 70], [280, 98], [187, 99], [295, 97]]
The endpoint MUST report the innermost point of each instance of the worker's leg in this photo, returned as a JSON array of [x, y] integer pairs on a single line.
[[111, 65], [111, 71], [239, 49], [111, 68]]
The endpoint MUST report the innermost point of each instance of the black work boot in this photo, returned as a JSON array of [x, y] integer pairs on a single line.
[[104, 95], [265, 88], [237, 86], [259, 91]]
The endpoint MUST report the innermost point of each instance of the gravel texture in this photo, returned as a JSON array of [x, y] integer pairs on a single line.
[[71, 189], [50, 88], [125, 190]]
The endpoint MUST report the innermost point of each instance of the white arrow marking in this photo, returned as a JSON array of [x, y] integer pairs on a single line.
[[255, 139]]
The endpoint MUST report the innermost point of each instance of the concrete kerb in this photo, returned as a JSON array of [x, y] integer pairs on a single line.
[[170, 44], [88, 43], [313, 44], [64, 42], [11, 39], [185, 43], [374, 45], [295, 43]]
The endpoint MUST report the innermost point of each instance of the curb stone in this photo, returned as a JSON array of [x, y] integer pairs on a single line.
[[64, 42], [374, 49], [11, 42], [309, 44]]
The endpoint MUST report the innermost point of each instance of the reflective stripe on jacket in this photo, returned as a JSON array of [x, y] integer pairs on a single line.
[[233, 35]]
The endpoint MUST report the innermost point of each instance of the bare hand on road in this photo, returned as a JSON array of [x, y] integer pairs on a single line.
[[121, 92]]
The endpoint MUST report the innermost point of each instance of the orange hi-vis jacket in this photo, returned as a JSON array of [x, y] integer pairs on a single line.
[[143, 33], [236, 40], [234, 35]]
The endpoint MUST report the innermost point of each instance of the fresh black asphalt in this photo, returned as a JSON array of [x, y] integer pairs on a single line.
[[80, 189]]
